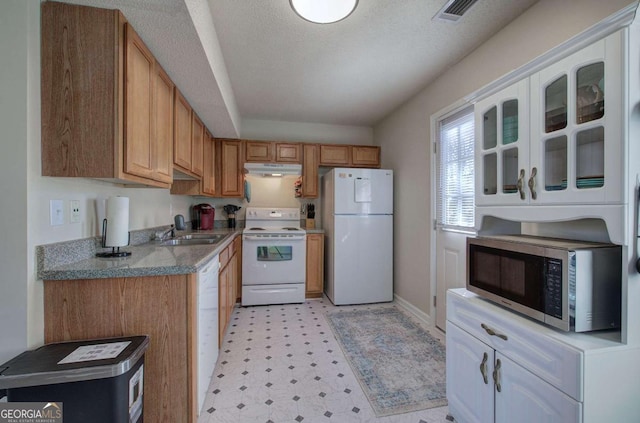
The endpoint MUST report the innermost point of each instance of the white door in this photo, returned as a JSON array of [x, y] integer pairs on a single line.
[[469, 380], [363, 191], [451, 265], [455, 179]]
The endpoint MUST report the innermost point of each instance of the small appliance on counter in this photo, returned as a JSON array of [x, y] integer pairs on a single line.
[[231, 210], [115, 227], [202, 216]]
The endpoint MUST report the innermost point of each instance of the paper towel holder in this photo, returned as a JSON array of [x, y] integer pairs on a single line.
[[115, 250]]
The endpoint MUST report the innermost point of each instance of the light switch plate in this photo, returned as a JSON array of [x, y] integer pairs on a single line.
[[74, 207], [56, 212]]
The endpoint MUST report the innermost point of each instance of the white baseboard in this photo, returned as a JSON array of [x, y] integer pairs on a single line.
[[419, 314]]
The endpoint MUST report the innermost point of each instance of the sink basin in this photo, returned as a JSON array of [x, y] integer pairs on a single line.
[[189, 241], [196, 237]]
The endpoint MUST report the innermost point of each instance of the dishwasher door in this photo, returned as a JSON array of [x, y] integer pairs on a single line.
[[207, 326]]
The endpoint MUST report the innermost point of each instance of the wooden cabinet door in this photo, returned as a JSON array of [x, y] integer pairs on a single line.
[[223, 285], [231, 168], [138, 108], [209, 166], [288, 153], [310, 171], [197, 145], [315, 265], [163, 145], [334, 155], [182, 133], [368, 156], [258, 151]]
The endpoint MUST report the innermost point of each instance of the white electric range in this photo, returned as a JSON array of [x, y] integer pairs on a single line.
[[274, 250]]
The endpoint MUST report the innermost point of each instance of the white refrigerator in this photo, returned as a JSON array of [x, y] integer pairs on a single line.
[[357, 216]]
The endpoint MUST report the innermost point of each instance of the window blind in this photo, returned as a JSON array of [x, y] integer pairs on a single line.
[[455, 171]]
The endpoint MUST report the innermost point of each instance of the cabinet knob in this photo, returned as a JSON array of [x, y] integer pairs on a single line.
[[532, 183], [492, 332], [496, 375], [483, 368], [520, 184]]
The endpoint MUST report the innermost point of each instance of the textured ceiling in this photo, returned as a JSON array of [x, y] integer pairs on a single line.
[[256, 59]]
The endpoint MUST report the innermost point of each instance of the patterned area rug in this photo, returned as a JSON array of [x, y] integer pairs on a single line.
[[399, 365]]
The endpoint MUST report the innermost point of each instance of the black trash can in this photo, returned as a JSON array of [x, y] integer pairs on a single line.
[[99, 380]]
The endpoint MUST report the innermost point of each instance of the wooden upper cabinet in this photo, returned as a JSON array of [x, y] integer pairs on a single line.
[[366, 156], [258, 151], [288, 152], [197, 144], [209, 168], [106, 129], [334, 155], [138, 110], [272, 152], [182, 133], [310, 170], [163, 146], [231, 179]]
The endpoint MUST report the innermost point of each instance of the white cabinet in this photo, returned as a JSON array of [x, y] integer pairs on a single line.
[[503, 367], [556, 137], [502, 145], [486, 380], [577, 126]]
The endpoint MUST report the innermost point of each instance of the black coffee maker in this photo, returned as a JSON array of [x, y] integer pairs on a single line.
[[231, 210]]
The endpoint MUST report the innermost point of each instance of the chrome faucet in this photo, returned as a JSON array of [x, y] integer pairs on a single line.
[[163, 235]]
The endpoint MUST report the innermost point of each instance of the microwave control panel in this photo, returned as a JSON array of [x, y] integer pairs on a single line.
[[553, 288]]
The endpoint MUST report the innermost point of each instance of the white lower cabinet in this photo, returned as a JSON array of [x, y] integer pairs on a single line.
[[493, 377]]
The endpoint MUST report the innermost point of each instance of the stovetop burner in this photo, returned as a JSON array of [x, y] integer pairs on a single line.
[[291, 229], [256, 229]]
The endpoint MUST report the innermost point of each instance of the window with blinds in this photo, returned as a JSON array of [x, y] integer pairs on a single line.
[[455, 184]]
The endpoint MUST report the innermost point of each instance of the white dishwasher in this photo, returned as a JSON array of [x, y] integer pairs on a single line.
[[207, 326]]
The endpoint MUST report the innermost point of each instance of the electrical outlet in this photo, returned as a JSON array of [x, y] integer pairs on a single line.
[[56, 212], [74, 206]]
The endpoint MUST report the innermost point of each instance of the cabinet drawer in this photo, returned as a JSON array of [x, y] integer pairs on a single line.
[[527, 343]]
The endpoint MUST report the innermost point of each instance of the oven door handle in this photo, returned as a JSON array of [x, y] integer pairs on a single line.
[[274, 238]]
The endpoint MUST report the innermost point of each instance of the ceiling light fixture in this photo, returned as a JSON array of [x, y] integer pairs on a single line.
[[325, 11]]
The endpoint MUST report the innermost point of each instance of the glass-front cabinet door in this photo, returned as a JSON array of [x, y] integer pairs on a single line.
[[576, 134], [502, 151]]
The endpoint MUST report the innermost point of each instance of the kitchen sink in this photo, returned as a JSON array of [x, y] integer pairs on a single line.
[[197, 237], [190, 241]]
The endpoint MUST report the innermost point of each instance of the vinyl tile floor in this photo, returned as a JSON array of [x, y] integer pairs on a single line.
[[282, 363]]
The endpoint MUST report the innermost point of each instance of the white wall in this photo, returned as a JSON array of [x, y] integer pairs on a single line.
[[306, 132], [14, 29], [404, 134]]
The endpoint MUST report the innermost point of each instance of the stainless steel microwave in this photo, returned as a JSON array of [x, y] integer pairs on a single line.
[[570, 285]]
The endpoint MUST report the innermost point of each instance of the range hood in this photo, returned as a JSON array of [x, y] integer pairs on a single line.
[[273, 169]]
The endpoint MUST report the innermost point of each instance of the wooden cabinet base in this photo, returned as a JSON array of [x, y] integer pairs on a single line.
[[163, 307]]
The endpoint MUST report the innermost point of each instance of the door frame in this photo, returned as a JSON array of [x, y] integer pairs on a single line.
[[435, 302]]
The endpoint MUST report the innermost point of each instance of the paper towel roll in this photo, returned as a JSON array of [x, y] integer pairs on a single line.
[[117, 222]]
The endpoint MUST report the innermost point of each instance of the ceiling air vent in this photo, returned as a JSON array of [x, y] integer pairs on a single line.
[[453, 10]]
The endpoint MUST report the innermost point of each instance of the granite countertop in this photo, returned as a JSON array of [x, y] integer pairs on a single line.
[[76, 259]]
